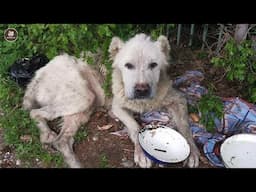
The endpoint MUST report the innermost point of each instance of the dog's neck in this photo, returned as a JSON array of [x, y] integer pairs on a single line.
[[139, 105], [98, 66]]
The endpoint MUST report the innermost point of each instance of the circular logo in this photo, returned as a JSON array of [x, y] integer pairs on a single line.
[[10, 34]]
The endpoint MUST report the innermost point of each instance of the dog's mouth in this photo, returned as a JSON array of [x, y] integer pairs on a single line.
[[143, 97]]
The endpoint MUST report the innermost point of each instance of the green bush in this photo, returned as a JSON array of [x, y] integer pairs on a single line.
[[210, 107], [52, 39], [237, 60]]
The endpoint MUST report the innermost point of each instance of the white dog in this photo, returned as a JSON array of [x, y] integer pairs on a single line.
[[140, 84], [69, 88]]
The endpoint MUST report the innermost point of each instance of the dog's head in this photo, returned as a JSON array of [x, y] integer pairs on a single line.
[[140, 61]]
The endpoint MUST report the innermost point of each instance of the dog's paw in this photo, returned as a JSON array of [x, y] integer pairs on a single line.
[[193, 159], [141, 159], [74, 164], [48, 137]]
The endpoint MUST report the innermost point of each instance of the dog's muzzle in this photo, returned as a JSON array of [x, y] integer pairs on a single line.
[[142, 91]]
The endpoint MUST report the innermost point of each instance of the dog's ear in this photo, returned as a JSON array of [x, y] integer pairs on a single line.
[[115, 46], [164, 45]]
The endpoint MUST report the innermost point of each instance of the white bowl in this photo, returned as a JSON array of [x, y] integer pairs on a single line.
[[239, 151], [164, 144]]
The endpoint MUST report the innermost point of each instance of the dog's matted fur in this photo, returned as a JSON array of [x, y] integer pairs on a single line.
[[140, 84], [69, 88]]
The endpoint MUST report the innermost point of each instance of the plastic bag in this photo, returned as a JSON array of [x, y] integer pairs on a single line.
[[23, 70]]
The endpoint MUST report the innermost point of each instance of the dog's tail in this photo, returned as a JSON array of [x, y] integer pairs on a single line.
[[29, 99]]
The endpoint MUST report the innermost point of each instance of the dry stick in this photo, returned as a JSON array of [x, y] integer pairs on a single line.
[[191, 34], [178, 34], [241, 31], [167, 30], [204, 35], [220, 79], [251, 67], [13, 109], [219, 38]]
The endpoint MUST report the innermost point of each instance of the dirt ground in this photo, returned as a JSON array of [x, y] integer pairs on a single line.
[[117, 150], [101, 149]]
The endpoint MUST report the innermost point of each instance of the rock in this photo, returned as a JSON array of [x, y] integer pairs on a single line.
[[26, 138], [127, 163], [18, 162], [95, 138], [195, 118]]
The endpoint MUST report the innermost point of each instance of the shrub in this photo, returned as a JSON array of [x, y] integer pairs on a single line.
[[240, 65]]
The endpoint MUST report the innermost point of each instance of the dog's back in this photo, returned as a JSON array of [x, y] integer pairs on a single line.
[[64, 78]]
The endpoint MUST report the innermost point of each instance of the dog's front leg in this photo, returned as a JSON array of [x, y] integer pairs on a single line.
[[180, 115], [133, 129]]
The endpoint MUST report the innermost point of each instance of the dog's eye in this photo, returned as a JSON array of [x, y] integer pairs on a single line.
[[129, 66], [152, 65]]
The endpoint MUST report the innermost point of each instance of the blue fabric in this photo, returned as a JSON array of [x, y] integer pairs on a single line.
[[239, 117]]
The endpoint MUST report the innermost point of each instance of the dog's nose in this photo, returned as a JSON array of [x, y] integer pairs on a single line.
[[142, 90]]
